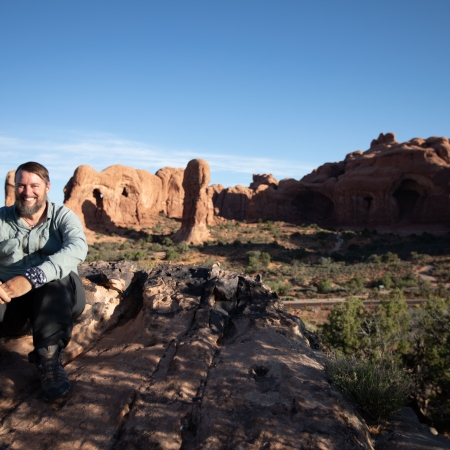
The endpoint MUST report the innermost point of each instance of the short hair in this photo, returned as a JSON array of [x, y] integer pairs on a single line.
[[34, 167]]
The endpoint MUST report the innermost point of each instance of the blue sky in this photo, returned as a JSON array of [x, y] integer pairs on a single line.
[[251, 86]]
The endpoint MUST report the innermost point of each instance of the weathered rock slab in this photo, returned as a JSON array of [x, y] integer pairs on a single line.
[[184, 358]]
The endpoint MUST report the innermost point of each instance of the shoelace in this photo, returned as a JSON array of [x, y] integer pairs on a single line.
[[51, 371]]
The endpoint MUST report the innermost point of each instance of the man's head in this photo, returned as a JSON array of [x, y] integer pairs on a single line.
[[32, 184]]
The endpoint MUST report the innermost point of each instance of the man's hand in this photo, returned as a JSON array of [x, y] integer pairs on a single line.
[[4, 298], [15, 287]]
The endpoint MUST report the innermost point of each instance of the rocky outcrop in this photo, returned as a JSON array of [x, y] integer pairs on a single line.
[[265, 179], [197, 207], [172, 194], [10, 196], [391, 184], [230, 203], [179, 357], [123, 196]]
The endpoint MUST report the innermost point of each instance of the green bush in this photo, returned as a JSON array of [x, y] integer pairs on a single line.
[[374, 259], [182, 248], [379, 387], [386, 281], [389, 257], [172, 255], [357, 283], [324, 286], [265, 259], [167, 242], [257, 261], [279, 287]]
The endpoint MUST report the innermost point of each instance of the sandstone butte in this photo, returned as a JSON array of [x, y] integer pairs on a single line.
[[390, 186], [183, 357]]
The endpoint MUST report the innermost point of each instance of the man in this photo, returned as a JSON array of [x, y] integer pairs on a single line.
[[41, 245]]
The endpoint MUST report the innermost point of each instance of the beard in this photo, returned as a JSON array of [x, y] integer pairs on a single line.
[[24, 210]]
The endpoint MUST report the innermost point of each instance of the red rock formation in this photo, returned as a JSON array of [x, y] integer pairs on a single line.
[[197, 204], [10, 196], [173, 192], [391, 184], [123, 196], [259, 180], [231, 203]]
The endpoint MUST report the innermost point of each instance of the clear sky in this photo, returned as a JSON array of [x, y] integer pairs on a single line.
[[252, 86]]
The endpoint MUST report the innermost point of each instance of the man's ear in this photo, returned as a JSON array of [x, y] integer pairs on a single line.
[[47, 188]]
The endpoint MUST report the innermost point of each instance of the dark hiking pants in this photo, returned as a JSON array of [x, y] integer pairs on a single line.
[[47, 312]]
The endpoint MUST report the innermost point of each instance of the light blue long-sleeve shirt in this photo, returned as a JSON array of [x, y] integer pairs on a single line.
[[56, 246]]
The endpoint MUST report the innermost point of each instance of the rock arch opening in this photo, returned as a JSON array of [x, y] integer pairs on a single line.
[[368, 202], [313, 206], [407, 195]]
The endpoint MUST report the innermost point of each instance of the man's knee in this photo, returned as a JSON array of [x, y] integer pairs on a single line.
[[79, 302]]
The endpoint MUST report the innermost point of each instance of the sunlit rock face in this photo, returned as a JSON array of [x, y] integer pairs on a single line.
[[121, 196], [391, 184], [197, 206], [10, 196], [179, 357]]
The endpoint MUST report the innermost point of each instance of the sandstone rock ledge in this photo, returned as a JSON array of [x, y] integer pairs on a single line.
[[179, 357]]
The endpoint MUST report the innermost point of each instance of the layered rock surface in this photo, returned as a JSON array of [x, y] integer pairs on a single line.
[[179, 357]]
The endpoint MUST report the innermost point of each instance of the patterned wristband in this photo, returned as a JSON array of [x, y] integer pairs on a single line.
[[36, 277]]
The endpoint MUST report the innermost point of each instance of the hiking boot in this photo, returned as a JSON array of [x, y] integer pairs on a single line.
[[54, 381]]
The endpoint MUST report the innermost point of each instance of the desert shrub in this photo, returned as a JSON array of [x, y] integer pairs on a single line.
[[379, 387], [182, 248], [265, 259], [430, 338], [172, 255], [257, 261], [357, 283], [135, 256], [167, 242], [125, 245], [351, 328], [324, 286], [415, 256], [386, 281], [281, 288], [389, 257], [374, 259], [237, 242]]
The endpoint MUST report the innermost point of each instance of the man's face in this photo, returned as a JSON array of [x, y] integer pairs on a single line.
[[31, 193]]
